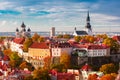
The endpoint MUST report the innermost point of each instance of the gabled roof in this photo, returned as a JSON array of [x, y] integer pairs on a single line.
[[81, 33], [41, 45], [19, 40], [116, 38]]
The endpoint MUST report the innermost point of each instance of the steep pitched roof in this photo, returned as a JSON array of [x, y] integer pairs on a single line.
[[81, 33], [19, 40], [41, 45]]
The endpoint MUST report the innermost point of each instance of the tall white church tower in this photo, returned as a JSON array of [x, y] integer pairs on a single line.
[[88, 26]]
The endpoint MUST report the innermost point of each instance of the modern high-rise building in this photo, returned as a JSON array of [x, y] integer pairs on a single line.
[[52, 32]]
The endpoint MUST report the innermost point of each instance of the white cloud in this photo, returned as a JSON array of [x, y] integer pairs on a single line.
[[5, 5], [3, 23]]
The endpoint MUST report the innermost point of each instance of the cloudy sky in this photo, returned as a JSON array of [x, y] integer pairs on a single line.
[[41, 15]]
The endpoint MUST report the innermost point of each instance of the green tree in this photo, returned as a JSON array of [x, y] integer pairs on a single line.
[[14, 56], [15, 60]]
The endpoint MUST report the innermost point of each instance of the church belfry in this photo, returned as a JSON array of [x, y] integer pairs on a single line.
[[23, 32], [88, 26]]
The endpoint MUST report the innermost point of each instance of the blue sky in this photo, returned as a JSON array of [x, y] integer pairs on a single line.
[[41, 15]]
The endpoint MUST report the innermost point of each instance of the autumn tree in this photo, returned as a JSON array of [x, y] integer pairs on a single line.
[[41, 74], [108, 68], [111, 76], [47, 62], [66, 36], [35, 37], [13, 64], [60, 36], [92, 77], [26, 44], [65, 59], [30, 77], [113, 44], [7, 52], [15, 60], [77, 38], [103, 36], [26, 65], [58, 67], [41, 39]]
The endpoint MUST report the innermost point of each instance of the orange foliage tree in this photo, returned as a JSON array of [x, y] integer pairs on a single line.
[[26, 44], [47, 62], [7, 52], [35, 37], [65, 59], [93, 77], [77, 38], [66, 36], [108, 68], [41, 39], [111, 76], [26, 65]]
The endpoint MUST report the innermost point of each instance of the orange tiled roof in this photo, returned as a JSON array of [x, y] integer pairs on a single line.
[[116, 38], [90, 46], [41, 45], [19, 40]]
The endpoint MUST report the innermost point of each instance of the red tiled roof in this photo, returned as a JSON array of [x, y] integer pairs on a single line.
[[1, 73], [19, 40], [83, 41], [97, 46], [90, 46], [65, 76], [41, 45], [6, 58], [116, 38], [86, 67]]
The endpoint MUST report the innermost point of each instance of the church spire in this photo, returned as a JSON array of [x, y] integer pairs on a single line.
[[88, 26], [88, 17], [23, 25]]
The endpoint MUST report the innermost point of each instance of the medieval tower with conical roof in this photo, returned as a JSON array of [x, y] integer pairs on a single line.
[[88, 28], [23, 32]]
